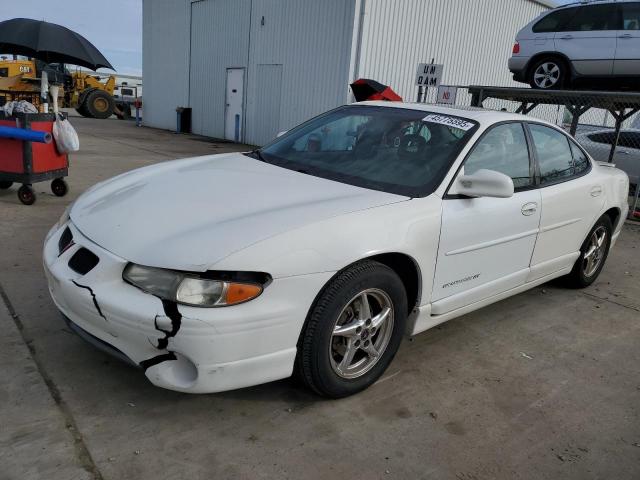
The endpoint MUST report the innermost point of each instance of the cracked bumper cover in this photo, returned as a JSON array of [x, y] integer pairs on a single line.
[[214, 349]]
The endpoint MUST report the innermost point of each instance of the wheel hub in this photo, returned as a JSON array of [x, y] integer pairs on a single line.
[[361, 333], [595, 251]]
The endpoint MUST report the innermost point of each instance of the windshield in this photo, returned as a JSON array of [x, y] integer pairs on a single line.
[[396, 150]]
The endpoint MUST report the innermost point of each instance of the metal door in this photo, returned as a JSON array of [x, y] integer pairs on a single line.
[[234, 107]]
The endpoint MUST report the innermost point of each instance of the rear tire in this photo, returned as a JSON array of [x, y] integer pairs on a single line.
[[348, 342], [548, 74], [99, 104], [593, 254], [125, 108]]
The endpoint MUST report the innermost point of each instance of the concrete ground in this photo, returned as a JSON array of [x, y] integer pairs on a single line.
[[544, 385]]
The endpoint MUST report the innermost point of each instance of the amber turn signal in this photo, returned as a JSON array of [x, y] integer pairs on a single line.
[[241, 292]]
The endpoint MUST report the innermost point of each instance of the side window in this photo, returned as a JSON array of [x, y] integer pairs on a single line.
[[554, 21], [503, 149], [602, 137], [593, 18], [629, 140], [553, 152], [630, 16], [580, 159]]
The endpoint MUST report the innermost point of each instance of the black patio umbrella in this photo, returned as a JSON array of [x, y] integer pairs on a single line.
[[50, 43]]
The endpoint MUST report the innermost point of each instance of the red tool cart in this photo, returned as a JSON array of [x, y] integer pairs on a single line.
[[27, 162]]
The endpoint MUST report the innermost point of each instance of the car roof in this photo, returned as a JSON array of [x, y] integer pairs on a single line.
[[480, 115], [584, 3]]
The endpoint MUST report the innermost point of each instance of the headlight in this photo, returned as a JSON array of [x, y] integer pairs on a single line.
[[193, 289]]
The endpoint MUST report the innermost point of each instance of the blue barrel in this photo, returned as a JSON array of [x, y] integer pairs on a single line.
[[25, 135]]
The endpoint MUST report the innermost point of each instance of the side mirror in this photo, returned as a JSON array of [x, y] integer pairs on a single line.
[[483, 183], [281, 133]]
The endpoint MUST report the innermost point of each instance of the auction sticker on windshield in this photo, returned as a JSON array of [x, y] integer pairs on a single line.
[[449, 121]]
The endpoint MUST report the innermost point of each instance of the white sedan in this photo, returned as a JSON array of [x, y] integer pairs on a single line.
[[318, 252]]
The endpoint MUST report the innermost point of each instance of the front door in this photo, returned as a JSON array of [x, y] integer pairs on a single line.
[[588, 39], [233, 119], [486, 243], [628, 50]]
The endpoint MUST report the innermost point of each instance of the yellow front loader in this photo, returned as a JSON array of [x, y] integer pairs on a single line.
[[20, 79]]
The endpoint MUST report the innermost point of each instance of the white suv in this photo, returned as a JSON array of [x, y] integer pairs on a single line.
[[580, 43]]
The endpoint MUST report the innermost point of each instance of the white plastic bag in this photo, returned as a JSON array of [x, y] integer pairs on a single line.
[[21, 106], [65, 136]]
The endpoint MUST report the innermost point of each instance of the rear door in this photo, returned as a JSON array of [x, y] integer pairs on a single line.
[[627, 61], [486, 243], [571, 196], [588, 39]]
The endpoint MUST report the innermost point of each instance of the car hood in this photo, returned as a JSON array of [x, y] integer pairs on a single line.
[[188, 214]]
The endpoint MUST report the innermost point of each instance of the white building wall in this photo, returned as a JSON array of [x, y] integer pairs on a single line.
[[165, 60], [300, 55], [472, 38]]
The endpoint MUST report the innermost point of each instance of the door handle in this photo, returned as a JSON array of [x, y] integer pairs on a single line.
[[566, 37], [596, 191], [625, 35], [529, 208], [624, 152]]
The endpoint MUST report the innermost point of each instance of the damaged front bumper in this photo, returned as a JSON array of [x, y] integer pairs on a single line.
[[182, 348]]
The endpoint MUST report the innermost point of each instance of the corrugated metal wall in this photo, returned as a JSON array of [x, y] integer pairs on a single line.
[[472, 38], [312, 42], [219, 40], [165, 60]]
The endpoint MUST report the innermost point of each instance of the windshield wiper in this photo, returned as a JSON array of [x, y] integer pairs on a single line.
[[259, 155]]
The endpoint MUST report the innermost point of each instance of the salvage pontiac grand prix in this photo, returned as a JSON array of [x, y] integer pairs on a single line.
[[317, 252]]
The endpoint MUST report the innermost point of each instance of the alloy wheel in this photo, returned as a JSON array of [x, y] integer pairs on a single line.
[[595, 252], [546, 75], [361, 333]]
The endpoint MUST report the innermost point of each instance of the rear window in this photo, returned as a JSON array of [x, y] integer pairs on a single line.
[[555, 21], [554, 154]]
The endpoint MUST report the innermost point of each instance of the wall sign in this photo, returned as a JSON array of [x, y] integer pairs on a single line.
[[429, 74]]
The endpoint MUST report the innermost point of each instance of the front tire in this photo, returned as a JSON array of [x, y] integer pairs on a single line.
[[99, 104], [27, 195], [548, 74], [353, 330], [593, 254]]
